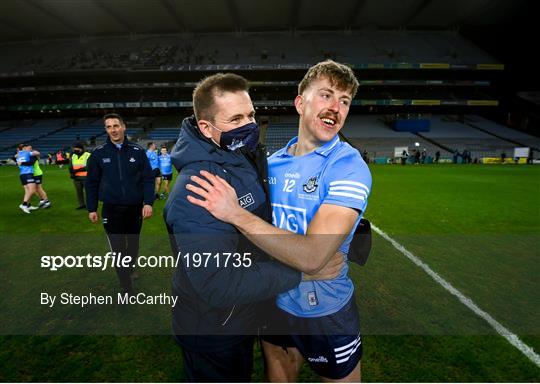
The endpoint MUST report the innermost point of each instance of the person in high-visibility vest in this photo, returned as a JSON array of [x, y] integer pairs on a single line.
[[77, 169], [38, 177]]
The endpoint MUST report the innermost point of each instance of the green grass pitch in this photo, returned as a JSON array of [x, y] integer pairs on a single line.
[[476, 226]]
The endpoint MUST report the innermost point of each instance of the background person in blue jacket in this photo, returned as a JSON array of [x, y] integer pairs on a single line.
[[119, 175], [215, 318]]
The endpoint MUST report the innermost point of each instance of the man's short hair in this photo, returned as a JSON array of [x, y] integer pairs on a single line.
[[207, 89], [150, 143], [339, 75], [113, 116], [78, 144]]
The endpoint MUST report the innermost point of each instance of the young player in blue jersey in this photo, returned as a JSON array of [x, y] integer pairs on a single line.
[[165, 168], [319, 190], [154, 164]]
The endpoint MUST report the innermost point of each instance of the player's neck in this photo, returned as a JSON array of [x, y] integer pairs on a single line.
[[305, 144]]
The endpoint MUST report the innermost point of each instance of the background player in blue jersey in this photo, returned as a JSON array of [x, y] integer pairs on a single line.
[[26, 158], [319, 190], [165, 168], [154, 164]]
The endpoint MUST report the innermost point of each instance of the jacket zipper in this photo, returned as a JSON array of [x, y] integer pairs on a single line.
[[230, 314], [120, 172]]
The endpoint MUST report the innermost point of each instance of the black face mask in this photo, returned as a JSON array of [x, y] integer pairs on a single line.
[[246, 135]]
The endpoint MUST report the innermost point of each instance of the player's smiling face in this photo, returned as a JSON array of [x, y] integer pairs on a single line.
[[323, 109]]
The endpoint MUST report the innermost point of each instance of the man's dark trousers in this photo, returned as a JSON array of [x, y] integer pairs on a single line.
[[123, 224]]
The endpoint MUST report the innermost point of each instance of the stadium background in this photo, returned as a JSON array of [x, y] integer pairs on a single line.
[[463, 67]]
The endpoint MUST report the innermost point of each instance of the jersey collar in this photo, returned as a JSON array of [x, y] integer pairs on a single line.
[[323, 150]]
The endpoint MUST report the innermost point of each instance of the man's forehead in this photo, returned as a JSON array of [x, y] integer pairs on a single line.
[[325, 82], [112, 121], [233, 103]]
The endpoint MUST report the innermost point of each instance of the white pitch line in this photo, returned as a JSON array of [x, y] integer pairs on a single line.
[[501, 330]]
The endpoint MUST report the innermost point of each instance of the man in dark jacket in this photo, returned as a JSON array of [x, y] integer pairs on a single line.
[[119, 175], [215, 318]]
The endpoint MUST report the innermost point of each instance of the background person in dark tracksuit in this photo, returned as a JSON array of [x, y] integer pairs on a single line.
[[119, 174]]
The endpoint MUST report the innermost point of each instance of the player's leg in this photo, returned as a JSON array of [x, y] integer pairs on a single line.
[[354, 377], [157, 185], [32, 189], [282, 363], [24, 206], [157, 182], [167, 186], [43, 199], [29, 190]]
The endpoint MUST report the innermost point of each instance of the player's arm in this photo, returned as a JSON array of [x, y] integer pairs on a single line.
[[196, 232], [326, 232]]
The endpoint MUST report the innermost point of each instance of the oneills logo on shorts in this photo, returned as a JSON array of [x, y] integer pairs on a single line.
[[246, 200], [320, 359]]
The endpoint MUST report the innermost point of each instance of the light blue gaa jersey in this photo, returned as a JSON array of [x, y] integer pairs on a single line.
[[153, 158], [332, 174], [165, 165], [23, 157]]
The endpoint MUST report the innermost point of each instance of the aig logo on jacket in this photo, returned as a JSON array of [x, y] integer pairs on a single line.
[[132, 160], [246, 200]]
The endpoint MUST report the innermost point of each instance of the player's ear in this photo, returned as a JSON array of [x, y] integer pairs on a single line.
[[205, 128], [299, 104]]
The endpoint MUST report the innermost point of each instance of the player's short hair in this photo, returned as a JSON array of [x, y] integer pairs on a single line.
[[339, 75], [149, 144], [207, 89], [114, 116]]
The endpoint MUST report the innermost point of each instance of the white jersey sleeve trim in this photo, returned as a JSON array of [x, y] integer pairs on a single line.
[[350, 189], [347, 182], [345, 194]]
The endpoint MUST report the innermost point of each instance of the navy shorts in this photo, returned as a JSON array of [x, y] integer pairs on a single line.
[[27, 178], [157, 173], [167, 177], [331, 345], [38, 179]]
